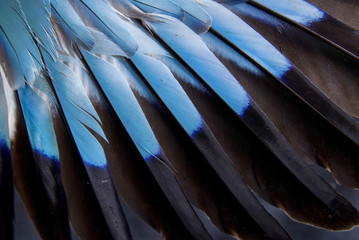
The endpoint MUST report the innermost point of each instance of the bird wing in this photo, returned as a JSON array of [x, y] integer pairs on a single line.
[[171, 107]]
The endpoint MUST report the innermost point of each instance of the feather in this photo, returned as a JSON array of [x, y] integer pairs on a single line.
[[160, 7], [39, 126], [77, 29], [82, 118], [345, 12], [176, 100], [143, 192], [100, 15], [6, 173], [141, 134], [180, 111], [161, 87], [37, 17], [308, 57], [144, 139], [196, 56], [47, 211], [248, 111], [316, 22], [195, 17], [22, 55], [284, 70]]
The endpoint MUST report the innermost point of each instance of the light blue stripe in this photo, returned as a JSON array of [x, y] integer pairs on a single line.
[[117, 26], [170, 91], [89, 148], [150, 46], [195, 53], [247, 39], [121, 97]]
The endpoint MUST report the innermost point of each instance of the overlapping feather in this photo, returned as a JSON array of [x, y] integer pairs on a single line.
[[179, 97]]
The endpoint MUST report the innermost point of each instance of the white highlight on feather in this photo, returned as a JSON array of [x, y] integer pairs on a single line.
[[104, 45], [4, 119], [132, 78], [229, 53], [11, 106], [298, 10], [84, 103]]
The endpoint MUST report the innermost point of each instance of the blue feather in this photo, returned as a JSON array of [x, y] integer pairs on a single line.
[[21, 50], [120, 95], [221, 49], [100, 15], [6, 171], [160, 7], [203, 62], [4, 116], [181, 72], [69, 61], [136, 83], [78, 110], [170, 91], [77, 29], [37, 16], [11, 63], [228, 25], [38, 119], [195, 17], [82, 120]]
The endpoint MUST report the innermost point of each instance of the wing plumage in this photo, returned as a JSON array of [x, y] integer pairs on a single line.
[[6, 177], [175, 107]]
